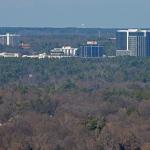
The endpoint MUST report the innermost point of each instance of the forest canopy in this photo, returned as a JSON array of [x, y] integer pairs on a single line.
[[75, 104]]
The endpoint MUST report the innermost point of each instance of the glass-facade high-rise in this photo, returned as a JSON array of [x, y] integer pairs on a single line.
[[91, 50], [121, 40], [148, 43], [135, 42]]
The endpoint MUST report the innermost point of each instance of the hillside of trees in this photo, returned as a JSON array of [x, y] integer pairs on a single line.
[[75, 104]]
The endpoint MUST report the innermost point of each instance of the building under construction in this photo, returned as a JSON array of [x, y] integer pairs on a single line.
[[8, 39]]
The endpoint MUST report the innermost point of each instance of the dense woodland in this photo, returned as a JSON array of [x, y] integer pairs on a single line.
[[75, 104]]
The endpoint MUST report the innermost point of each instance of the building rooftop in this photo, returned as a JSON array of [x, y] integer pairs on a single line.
[[133, 30]]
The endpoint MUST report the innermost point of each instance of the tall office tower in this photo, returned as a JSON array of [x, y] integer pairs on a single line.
[[122, 40], [91, 49], [133, 42]]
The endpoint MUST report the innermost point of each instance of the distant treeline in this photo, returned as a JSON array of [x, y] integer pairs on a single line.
[[57, 31]]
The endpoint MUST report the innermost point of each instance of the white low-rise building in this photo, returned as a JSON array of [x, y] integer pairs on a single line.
[[30, 56], [64, 51], [40, 56], [4, 54], [69, 51]]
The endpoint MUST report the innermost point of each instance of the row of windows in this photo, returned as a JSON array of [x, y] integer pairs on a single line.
[[91, 51], [136, 33]]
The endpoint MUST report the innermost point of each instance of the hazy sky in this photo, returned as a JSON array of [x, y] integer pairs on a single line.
[[74, 13]]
